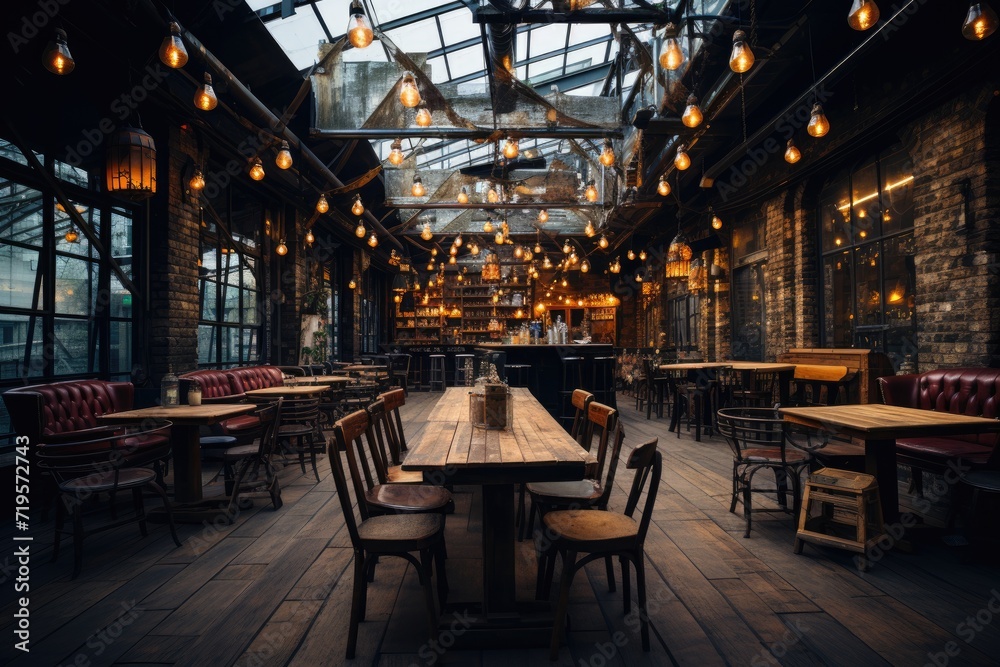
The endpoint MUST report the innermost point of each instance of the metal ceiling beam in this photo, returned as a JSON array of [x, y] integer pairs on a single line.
[[462, 133], [493, 16], [574, 80], [487, 206]]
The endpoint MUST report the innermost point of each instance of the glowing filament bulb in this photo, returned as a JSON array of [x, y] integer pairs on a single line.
[[360, 230], [172, 51], [322, 205], [589, 229], [591, 192], [663, 188], [818, 124], [692, 116], [256, 169], [567, 248], [452, 251], [373, 240], [284, 157], [71, 236], [396, 153], [357, 208], [426, 233], [671, 57], [488, 226], [310, 237], [463, 196], [498, 238], [716, 222], [492, 196], [197, 181], [458, 241], [510, 148], [585, 266], [741, 59], [792, 153], [423, 117], [863, 15], [359, 33], [281, 249], [409, 95], [682, 160], [980, 22], [642, 255], [607, 154], [418, 189], [602, 242], [205, 98], [543, 216]]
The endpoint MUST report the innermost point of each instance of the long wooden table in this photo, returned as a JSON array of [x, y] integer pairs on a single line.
[[879, 426], [537, 449]]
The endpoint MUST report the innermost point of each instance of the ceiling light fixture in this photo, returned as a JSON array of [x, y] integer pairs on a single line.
[[741, 59], [357, 208], [418, 189], [205, 98], [543, 216], [284, 157], [256, 169], [792, 152], [322, 205], [607, 154], [692, 116], [682, 160], [818, 124], [980, 22], [172, 51], [863, 14], [671, 55], [396, 153], [409, 94], [662, 188], [359, 33]]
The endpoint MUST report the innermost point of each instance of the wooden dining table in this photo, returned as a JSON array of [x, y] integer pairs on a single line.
[[289, 391], [878, 426], [534, 449], [319, 379]]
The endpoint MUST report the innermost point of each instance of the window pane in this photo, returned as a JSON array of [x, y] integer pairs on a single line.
[[869, 298], [897, 192], [11, 152], [20, 213], [121, 239], [64, 224], [76, 286], [900, 278], [250, 352], [120, 299], [72, 350], [13, 334], [18, 270], [120, 351], [206, 344], [230, 304], [837, 315], [209, 300], [865, 203], [835, 213], [71, 174], [230, 352], [250, 310]]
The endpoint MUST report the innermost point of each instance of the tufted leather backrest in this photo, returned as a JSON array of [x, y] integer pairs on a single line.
[[963, 391], [62, 407], [214, 384], [242, 380]]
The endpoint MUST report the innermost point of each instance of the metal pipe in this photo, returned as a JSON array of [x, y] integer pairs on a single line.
[[461, 133]]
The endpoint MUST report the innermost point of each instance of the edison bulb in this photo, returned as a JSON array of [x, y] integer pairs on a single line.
[[682, 160], [818, 124], [463, 196], [71, 236], [607, 154], [197, 182], [453, 251], [980, 22], [663, 188], [284, 157], [357, 208], [409, 94], [488, 227], [498, 238], [589, 229], [426, 233], [741, 59], [492, 196], [510, 148], [671, 57], [359, 33], [692, 116], [474, 249], [281, 249], [716, 222], [518, 252], [423, 117], [360, 230], [863, 15], [418, 189], [396, 153], [546, 262], [591, 192], [205, 98], [452, 260], [322, 205], [543, 216], [585, 266], [642, 255], [310, 237], [373, 240], [792, 153], [256, 169], [564, 282], [602, 242], [172, 51], [458, 240], [567, 248]]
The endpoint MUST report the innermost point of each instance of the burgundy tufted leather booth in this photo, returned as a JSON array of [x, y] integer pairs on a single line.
[[965, 391], [230, 385]]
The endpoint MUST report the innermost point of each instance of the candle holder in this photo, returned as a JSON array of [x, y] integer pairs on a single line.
[[491, 407]]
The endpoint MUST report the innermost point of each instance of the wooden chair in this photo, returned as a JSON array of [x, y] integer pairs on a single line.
[[569, 533], [385, 447], [758, 440], [300, 423], [373, 537], [393, 401], [369, 475], [399, 370], [245, 460], [760, 392], [83, 468], [654, 387]]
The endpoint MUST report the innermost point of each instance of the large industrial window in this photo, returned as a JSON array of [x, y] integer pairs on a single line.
[[229, 330], [685, 318], [867, 248], [63, 311]]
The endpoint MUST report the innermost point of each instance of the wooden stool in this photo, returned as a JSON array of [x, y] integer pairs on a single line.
[[840, 498], [464, 373], [437, 372]]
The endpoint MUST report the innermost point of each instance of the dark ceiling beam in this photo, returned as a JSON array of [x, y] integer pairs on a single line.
[[462, 133], [502, 38], [427, 206]]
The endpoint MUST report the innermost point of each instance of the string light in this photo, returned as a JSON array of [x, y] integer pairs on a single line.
[[792, 153], [692, 116], [585, 266], [538, 248], [409, 94], [463, 196], [281, 249], [458, 240], [591, 192], [453, 250], [373, 240], [543, 216], [662, 188], [359, 33], [396, 153], [423, 117], [642, 255], [426, 233], [310, 237], [863, 15], [567, 248], [71, 235], [322, 205], [360, 230], [352, 284], [492, 196], [818, 124], [682, 160], [284, 158], [256, 169], [607, 157], [498, 238], [716, 222], [741, 59], [205, 98], [980, 22], [631, 254], [510, 148], [172, 51], [671, 57], [602, 242], [357, 208], [589, 229], [418, 189], [488, 226]]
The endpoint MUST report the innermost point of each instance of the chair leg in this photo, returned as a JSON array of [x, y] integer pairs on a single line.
[[747, 508], [77, 540], [626, 585], [519, 517], [166, 508], [425, 583], [442, 575], [736, 487], [640, 583], [357, 603], [60, 520], [609, 568], [569, 568], [140, 510]]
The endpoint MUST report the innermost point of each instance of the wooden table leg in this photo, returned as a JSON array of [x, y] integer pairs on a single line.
[[186, 448], [498, 550], [880, 461]]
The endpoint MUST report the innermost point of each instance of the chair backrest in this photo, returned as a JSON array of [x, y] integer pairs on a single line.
[[747, 429], [394, 400], [380, 441], [97, 454], [347, 434], [269, 414], [611, 458], [581, 401], [300, 410], [601, 420], [295, 371], [648, 466]]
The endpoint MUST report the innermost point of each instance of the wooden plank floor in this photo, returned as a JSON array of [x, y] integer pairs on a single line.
[[274, 589]]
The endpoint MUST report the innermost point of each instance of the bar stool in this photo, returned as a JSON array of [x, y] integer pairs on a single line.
[[437, 371], [464, 373], [518, 375], [572, 378], [602, 380]]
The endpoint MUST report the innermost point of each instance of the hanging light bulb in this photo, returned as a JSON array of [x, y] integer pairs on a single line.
[[631, 254], [543, 216], [488, 226], [538, 248], [792, 152], [256, 169], [567, 248], [352, 283], [682, 160], [281, 249], [57, 58], [463, 196], [602, 242], [518, 252], [204, 97], [663, 188], [357, 208], [71, 236], [453, 250], [642, 255], [426, 233], [546, 262], [573, 258], [409, 94], [741, 59], [510, 148], [863, 15], [607, 154], [423, 117], [360, 230], [564, 282], [310, 237], [284, 157], [818, 124], [452, 260], [458, 240], [638, 276], [359, 33], [373, 240], [396, 153], [591, 192], [322, 205], [434, 251], [172, 51], [616, 266], [671, 56], [418, 189], [474, 249], [430, 267], [716, 222], [692, 116], [980, 22], [589, 229], [197, 181], [585, 266]]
